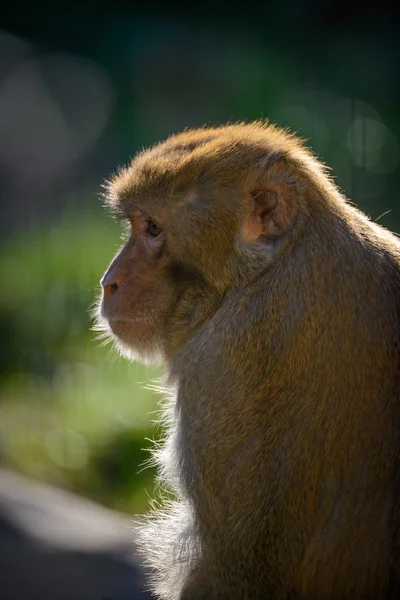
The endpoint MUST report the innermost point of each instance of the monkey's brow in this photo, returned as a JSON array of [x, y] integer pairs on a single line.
[[121, 217], [121, 205]]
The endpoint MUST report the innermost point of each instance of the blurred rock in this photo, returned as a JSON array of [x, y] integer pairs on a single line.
[[56, 546]]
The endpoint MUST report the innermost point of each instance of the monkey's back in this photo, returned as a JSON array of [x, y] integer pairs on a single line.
[[301, 492]]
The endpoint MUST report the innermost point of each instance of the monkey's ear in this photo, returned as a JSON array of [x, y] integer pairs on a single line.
[[271, 209]]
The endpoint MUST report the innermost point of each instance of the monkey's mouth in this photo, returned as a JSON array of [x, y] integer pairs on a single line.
[[137, 326], [130, 321]]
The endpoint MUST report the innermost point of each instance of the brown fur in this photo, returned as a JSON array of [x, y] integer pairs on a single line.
[[274, 307]]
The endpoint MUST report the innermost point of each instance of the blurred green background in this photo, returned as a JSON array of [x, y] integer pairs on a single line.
[[82, 88]]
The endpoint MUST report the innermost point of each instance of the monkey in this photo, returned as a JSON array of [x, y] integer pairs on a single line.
[[272, 303]]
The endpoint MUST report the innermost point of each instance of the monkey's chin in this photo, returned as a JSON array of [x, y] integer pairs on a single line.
[[135, 344]]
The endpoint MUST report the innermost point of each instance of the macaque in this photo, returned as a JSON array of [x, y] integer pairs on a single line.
[[273, 305]]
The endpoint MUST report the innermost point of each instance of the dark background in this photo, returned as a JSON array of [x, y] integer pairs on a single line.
[[82, 88]]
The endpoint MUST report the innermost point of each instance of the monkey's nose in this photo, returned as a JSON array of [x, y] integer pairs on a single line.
[[110, 286]]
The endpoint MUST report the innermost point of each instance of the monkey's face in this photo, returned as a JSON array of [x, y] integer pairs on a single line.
[[138, 292]]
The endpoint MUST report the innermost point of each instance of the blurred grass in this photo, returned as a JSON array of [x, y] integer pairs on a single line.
[[71, 412]]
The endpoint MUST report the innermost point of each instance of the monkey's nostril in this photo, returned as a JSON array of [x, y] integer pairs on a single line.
[[109, 290]]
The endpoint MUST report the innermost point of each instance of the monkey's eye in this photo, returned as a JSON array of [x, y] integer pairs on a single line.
[[153, 229]]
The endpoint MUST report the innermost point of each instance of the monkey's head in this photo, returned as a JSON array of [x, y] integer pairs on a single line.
[[207, 211]]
